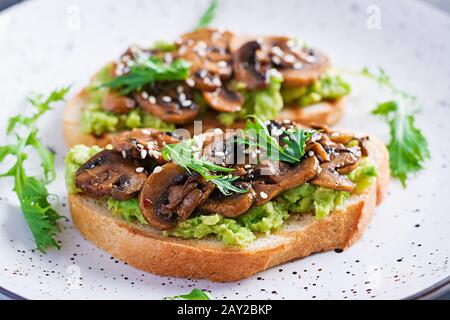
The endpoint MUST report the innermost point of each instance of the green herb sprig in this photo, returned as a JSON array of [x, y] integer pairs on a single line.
[[152, 70], [184, 155], [208, 15], [195, 294], [31, 191]]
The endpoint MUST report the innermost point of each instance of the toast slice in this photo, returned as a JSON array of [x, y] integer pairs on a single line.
[[302, 234], [326, 113]]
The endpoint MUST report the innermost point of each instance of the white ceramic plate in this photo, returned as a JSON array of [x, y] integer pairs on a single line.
[[44, 44]]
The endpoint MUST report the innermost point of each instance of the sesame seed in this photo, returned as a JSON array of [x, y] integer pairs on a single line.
[[263, 195], [291, 43], [298, 65], [146, 131], [124, 154], [311, 153], [216, 81], [144, 95], [202, 73], [180, 89], [190, 82], [182, 97], [276, 60], [247, 166], [168, 58], [139, 169], [219, 153], [157, 169], [186, 103], [182, 50], [152, 99], [335, 134], [289, 58], [222, 64], [166, 99], [277, 50], [143, 154]]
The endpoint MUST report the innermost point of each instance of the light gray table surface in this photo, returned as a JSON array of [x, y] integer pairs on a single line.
[[441, 4]]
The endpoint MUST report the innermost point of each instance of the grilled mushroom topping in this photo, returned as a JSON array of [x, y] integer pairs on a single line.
[[224, 100], [251, 69], [208, 52], [171, 195], [117, 103], [170, 101], [143, 144], [108, 174]]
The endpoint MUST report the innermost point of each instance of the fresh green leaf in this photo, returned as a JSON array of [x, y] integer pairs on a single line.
[[185, 155], [152, 70], [296, 143], [408, 148], [195, 294], [208, 15], [31, 191]]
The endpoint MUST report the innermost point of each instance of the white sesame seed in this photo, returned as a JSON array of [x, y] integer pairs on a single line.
[[143, 154], [216, 81], [263, 195], [146, 131], [182, 97], [291, 43], [203, 73], [166, 99], [222, 64], [186, 103], [157, 169], [335, 134], [190, 82], [182, 50], [311, 153], [144, 95], [139, 169], [168, 58], [298, 65], [124, 154], [277, 50], [276, 60], [180, 89], [289, 58], [219, 153], [152, 99], [247, 166]]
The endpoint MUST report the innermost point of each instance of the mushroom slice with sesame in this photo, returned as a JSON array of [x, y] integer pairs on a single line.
[[331, 175], [116, 103], [229, 206], [250, 67], [108, 174], [224, 100], [287, 178], [170, 101], [143, 144], [208, 52], [172, 195]]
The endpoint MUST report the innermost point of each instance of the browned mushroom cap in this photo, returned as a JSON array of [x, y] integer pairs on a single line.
[[249, 68], [286, 178], [331, 175], [171, 195], [143, 143], [224, 100], [228, 206], [170, 101], [116, 103], [208, 52], [108, 174]]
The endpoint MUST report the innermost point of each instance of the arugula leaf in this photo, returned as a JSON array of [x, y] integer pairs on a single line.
[[208, 15], [31, 191], [260, 137], [184, 155], [195, 294], [152, 70], [408, 147]]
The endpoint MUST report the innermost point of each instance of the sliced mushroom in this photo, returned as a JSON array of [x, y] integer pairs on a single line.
[[224, 100], [108, 174], [228, 206], [116, 103], [171, 195], [170, 101], [331, 176], [208, 52], [288, 179], [249, 69], [143, 143]]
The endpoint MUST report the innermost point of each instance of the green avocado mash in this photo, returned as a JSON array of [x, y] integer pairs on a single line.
[[265, 104], [95, 120], [76, 157], [328, 87], [242, 230]]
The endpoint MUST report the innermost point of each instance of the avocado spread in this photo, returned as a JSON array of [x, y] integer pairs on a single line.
[[95, 120], [241, 231]]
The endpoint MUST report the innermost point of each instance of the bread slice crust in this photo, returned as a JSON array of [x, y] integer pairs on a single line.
[[302, 235], [326, 113]]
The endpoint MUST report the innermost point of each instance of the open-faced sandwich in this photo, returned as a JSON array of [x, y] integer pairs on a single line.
[[210, 75], [224, 206]]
